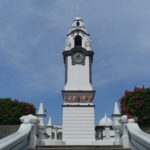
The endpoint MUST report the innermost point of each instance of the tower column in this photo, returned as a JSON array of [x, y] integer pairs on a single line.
[[78, 94]]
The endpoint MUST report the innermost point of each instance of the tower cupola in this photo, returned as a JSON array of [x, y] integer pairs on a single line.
[[78, 24], [78, 36]]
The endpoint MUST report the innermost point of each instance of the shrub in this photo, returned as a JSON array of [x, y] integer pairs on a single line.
[[136, 103], [12, 110]]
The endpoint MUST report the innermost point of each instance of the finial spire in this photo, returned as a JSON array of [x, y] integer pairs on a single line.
[[105, 114], [49, 122], [116, 109], [41, 109]]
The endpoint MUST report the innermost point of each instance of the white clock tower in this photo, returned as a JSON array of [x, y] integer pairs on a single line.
[[78, 94]]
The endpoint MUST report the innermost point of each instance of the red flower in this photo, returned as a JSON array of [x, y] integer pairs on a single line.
[[128, 116], [123, 104], [127, 93], [27, 108], [135, 97], [136, 89], [124, 108], [132, 110], [139, 104], [122, 98]]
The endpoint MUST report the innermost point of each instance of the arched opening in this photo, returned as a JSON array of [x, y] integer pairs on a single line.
[[78, 23], [78, 40], [59, 136]]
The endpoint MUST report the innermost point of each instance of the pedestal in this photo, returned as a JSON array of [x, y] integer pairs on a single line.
[[78, 124]]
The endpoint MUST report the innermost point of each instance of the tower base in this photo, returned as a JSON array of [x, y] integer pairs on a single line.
[[78, 124]]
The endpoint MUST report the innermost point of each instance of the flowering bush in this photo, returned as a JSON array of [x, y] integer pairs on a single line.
[[12, 110], [136, 103]]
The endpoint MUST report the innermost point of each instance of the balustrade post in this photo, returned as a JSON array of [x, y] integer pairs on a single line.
[[33, 120], [125, 136]]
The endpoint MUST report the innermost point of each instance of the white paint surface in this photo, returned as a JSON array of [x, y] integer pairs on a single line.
[[78, 125], [78, 76]]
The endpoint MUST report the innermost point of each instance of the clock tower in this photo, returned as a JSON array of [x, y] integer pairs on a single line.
[[78, 94]]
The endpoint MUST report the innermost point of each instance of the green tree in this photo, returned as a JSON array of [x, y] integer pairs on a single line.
[[12, 110], [136, 103]]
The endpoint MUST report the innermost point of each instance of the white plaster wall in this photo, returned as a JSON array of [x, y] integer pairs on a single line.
[[49, 131], [41, 119], [78, 125], [78, 76], [52, 142]]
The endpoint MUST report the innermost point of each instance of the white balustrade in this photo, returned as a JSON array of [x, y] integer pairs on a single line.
[[25, 137], [133, 137]]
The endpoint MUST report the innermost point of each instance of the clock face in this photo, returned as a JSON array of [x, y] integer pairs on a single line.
[[78, 57]]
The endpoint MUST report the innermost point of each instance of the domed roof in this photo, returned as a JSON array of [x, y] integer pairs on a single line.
[[78, 18], [105, 121], [78, 24]]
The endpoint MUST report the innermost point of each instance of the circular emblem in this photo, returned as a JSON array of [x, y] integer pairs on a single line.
[[78, 57]]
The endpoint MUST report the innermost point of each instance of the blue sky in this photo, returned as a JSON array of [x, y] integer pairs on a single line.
[[32, 38]]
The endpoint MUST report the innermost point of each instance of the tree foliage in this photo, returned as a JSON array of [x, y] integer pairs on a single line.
[[136, 103], [12, 110]]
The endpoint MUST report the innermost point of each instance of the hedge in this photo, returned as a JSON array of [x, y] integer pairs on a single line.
[[12, 110]]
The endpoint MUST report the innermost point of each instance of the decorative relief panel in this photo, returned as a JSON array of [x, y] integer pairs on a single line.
[[78, 99]]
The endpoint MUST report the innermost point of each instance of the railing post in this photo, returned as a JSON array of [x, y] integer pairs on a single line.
[[32, 120], [125, 136], [40, 130], [117, 139], [117, 127]]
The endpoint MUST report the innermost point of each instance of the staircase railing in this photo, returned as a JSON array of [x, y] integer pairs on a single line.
[[133, 137], [25, 137]]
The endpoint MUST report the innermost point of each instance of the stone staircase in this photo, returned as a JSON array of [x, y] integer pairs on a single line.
[[79, 147]]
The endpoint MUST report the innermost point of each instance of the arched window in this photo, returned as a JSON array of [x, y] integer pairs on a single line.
[[59, 136], [78, 40], [78, 23]]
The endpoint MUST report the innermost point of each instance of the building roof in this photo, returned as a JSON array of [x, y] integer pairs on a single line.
[[105, 121], [78, 24]]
